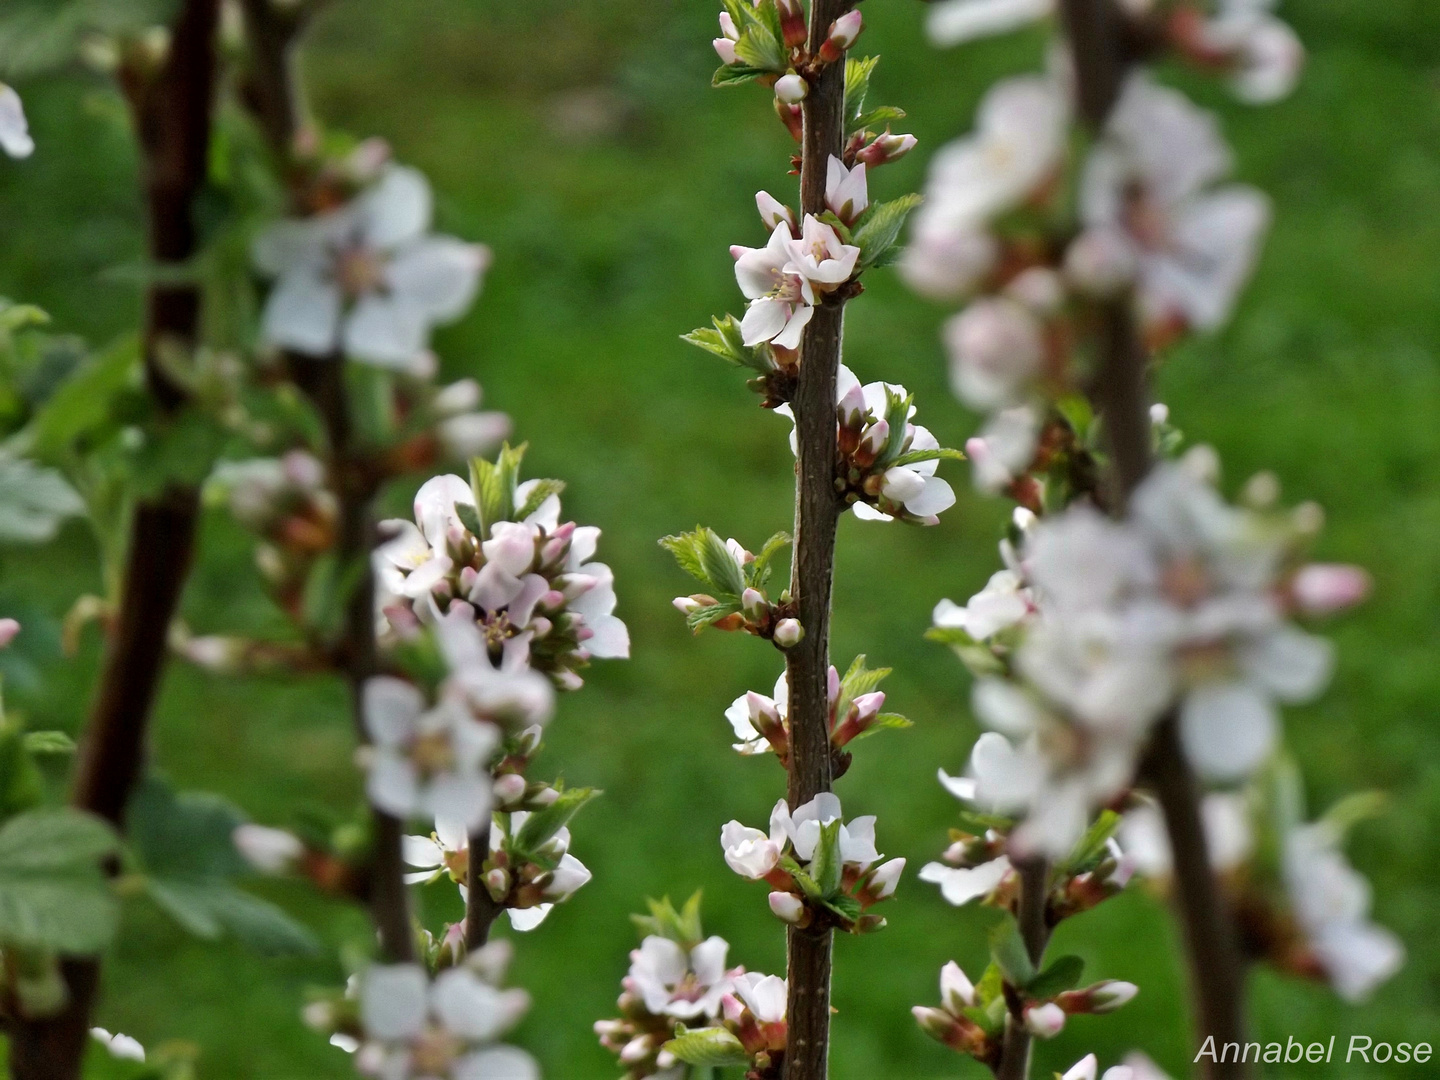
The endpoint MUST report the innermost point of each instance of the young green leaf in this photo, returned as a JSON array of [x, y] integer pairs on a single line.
[[1064, 974], [826, 866], [541, 825], [881, 228], [708, 1048], [722, 573], [536, 497], [53, 893], [1007, 949]]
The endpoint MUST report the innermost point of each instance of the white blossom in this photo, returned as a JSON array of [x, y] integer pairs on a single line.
[[119, 1046], [1151, 180], [1088, 1067], [1265, 55], [747, 711], [367, 279], [819, 256], [445, 1029], [15, 137], [1331, 901], [268, 851], [1004, 448], [781, 300], [1229, 836], [846, 192], [766, 996], [996, 348], [1004, 602], [953, 22], [680, 983], [427, 761]]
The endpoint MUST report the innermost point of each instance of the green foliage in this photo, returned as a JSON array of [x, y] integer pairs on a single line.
[[542, 825], [761, 47], [712, 1047], [1064, 974], [857, 85], [34, 501], [1007, 949], [878, 230], [1091, 850], [53, 893], [725, 341], [38, 35], [682, 927], [184, 842]]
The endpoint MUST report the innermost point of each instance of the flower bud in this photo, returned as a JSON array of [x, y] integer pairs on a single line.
[[1111, 995], [788, 907], [791, 89], [886, 148], [957, 992], [497, 884], [793, 119], [8, 629], [755, 605], [509, 789], [792, 22], [876, 436], [901, 485], [773, 211], [458, 397], [1044, 1021], [885, 879], [843, 32], [269, 851], [1320, 588], [788, 633], [724, 48]]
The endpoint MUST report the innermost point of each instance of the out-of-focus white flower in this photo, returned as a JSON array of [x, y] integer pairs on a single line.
[[367, 279], [1264, 53], [1019, 142], [9, 629], [766, 996], [1088, 1067], [15, 137], [996, 348], [1151, 178], [120, 1046], [781, 300], [680, 983], [1004, 602], [416, 1029], [427, 761], [269, 851], [1004, 448], [1229, 837], [1331, 901], [954, 22], [1141, 1068], [961, 884], [1322, 588]]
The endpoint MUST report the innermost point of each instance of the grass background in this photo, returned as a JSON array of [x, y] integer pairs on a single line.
[[581, 141]]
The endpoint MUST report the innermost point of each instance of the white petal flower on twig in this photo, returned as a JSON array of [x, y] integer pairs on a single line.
[[367, 279], [680, 983]]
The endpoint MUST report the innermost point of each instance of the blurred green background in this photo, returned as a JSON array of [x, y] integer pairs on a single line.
[[580, 139]]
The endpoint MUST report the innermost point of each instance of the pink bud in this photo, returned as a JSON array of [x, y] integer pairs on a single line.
[[852, 409], [791, 89], [1321, 588], [792, 22], [832, 685], [754, 604], [725, 49], [957, 992], [686, 604], [772, 212], [509, 789], [497, 884], [1044, 1021], [8, 629], [887, 148]]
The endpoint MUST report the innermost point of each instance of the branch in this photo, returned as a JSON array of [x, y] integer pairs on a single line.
[[816, 512], [481, 911], [172, 110], [1098, 36], [270, 87], [1035, 932]]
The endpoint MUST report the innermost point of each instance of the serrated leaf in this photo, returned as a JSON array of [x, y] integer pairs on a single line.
[[686, 549], [703, 617], [708, 1048], [721, 571], [860, 679], [1091, 847], [1064, 974], [734, 75], [759, 48], [886, 721], [882, 115], [1008, 950], [857, 84], [682, 927], [944, 453], [541, 825], [49, 742], [847, 907], [881, 228], [757, 574], [53, 892], [725, 340]]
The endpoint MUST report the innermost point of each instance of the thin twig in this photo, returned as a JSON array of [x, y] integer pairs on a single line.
[[1099, 42], [1035, 932], [172, 110], [816, 512], [481, 910]]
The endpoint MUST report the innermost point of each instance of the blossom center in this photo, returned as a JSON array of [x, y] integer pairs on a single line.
[[1185, 582], [359, 270], [433, 1052], [433, 753]]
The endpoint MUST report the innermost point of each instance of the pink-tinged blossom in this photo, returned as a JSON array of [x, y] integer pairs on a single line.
[[367, 280], [725, 44], [15, 137], [686, 984], [846, 191], [1004, 448], [791, 89], [1323, 588], [1152, 177], [9, 629], [1264, 54], [1005, 602], [820, 257], [766, 996], [781, 300], [996, 347], [1088, 1068], [1044, 1021], [445, 1029], [773, 212]]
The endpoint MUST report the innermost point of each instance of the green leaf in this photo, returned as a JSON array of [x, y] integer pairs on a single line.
[[860, 679], [53, 892], [35, 37], [21, 785], [84, 401], [541, 825], [757, 574], [1091, 848], [184, 834], [1064, 974], [1007, 949], [734, 75], [682, 927], [49, 742], [34, 502], [210, 908], [881, 227], [725, 341], [882, 115], [857, 84], [542, 490], [847, 907], [708, 1047], [470, 517], [977, 824], [826, 865], [701, 618], [722, 573], [991, 987], [493, 486], [944, 453], [886, 721], [760, 49], [897, 415], [686, 549]]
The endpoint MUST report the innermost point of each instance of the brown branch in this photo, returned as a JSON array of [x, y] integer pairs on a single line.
[[270, 86], [481, 911], [816, 511], [1099, 42], [172, 108], [1035, 932]]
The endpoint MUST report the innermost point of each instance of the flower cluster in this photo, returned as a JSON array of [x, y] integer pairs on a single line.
[[493, 551], [762, 724], [819, 867], [411, 1025]]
